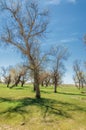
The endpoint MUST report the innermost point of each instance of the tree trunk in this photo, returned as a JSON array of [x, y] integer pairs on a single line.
[[22, 84], [34, 86], [55, 83], [55, 88], [8, 85], [36, 83]]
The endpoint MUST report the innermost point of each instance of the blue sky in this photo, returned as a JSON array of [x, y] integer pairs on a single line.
[[67, 27]]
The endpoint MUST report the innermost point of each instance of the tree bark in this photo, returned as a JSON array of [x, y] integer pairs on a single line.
[[55, 88], [55, 83], [34, 86], [36, 83], [22, 84]]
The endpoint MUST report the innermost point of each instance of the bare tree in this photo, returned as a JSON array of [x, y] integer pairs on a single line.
[[59, 55], [27, 25], [18, 75], [23, 80], [79, 76], [14, 75], [6, 75], [45, 78], [24, 75]]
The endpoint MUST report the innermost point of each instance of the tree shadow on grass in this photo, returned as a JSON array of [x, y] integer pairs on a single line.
[[67, 93], [46, 92], [19, 88], [47, 106]]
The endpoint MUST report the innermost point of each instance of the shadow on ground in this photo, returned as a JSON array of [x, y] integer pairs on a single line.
[[67, 93], [46, 106]]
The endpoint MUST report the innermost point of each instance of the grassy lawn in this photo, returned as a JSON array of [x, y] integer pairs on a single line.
[[65, 110]]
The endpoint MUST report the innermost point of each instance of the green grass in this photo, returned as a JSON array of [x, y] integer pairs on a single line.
[[20, 110]]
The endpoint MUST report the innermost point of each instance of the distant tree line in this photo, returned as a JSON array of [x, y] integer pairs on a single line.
[[21, 74]]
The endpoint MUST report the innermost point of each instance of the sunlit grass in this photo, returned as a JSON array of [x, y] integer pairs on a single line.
[[64, 110]]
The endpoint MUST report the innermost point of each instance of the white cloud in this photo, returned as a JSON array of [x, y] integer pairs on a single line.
[[55, 2], [69, 40], [71, 1]]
